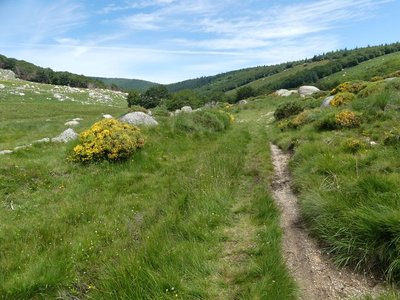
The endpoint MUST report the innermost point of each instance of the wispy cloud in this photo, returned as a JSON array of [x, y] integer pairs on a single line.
[[169, 40]]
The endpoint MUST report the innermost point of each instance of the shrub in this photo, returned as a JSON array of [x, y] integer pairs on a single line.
[[300, 119], [353, 145], [394, 74], [350, 87], [203, 121], [326, 122], [342, 98], [392, 138], [347, 119], [287, 109], [377, 78], [138, 108], [161, 111], [107, 139]]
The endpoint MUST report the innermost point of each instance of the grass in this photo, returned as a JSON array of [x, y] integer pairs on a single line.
[[348, 188], [147, 228]]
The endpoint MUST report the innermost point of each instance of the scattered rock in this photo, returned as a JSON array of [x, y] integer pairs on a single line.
[[390, 78], [43, 140], [106, 116], [373, 143], [307, 90], [5, 152], [7, 75], [186, 109], [139, 118], [285, 92], [71, 123], [22, 147], [242, 102], [327, 101], [178, 111], [2, 86], [66, 136]]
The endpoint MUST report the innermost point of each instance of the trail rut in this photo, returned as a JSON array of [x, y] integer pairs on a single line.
[[315, 274]]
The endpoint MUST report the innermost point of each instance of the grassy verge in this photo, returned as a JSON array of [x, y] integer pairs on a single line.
[[348, 178], [147, 228]]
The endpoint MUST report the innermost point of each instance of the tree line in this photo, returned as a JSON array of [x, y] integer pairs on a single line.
[[28, 71]]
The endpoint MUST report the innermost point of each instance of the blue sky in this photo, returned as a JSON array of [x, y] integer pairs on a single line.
[[171, 40]]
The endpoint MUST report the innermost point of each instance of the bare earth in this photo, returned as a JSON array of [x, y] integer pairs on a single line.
[[315, 274]]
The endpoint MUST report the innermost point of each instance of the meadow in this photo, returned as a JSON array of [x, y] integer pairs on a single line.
[[154, 226]]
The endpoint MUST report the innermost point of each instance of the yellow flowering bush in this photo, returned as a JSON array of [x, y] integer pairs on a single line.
[[349, 87], [347, 119], [354, 145], [300, 119], [342, 98], [377, 78], [108, 139]]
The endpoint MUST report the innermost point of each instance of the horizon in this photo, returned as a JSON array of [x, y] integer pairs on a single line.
[[167, 41]]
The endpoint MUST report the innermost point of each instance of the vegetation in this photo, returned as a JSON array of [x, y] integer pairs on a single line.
[[28, 71], [126, 84], [355, 208], [108, 139]]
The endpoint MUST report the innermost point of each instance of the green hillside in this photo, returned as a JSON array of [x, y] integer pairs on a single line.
[[127, 84]]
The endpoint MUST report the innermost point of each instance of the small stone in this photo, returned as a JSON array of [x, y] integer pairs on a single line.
[[5, 152], [71, 123], [107, 116], [186, 109]]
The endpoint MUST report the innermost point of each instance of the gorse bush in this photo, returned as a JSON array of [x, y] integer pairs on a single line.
[[349, 87], [342, 98], [108, 139], [353, 145], [287, 109], [347, 119]]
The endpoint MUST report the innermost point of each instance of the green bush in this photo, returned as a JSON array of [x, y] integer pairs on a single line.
[[392, 138], [134, 108], [326, 122], [203, 121], [286, 110], [108, 139]]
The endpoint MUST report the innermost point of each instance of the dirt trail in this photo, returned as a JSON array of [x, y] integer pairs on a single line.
[[315, 274]]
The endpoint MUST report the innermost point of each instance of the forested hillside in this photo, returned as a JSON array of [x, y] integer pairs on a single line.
[[28, 71]]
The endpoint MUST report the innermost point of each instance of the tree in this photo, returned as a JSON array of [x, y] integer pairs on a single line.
[[182, 98], [244, 92], [133, 98], [154, 96]]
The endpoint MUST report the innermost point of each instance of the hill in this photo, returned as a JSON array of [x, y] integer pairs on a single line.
[[28, 71], [266, 79], [126, 84]]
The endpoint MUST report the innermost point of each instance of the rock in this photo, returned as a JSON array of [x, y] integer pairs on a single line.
[[2, 86], [373, 143], [149, 112], [5, 152], [178, 111], [71, 123], [7, 75], [390, 78], [77, 119], [307, 90], [186, 109], [66, 136], [22, 147], [43, 140], [327, 101], [242, 102], [284, 92], [139, 118], [106, 116]]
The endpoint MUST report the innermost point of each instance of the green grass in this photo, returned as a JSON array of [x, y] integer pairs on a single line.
[[348, 189], [147, 228], [380, 66]]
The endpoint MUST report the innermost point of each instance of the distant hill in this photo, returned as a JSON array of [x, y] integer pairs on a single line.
[[265, 79], [28, 71], [127, 84]]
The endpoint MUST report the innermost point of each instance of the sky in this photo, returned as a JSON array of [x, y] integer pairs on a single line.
[[167, 41]]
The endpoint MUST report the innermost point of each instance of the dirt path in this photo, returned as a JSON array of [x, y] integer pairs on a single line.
[[315, 274]]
